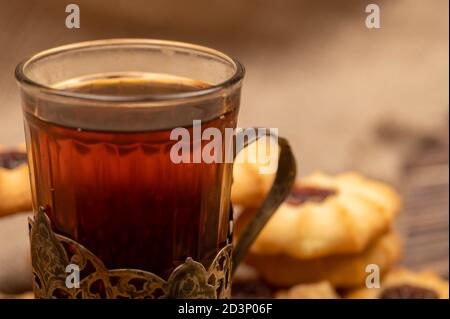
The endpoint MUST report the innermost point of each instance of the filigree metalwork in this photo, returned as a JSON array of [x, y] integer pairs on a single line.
[[51, 253]]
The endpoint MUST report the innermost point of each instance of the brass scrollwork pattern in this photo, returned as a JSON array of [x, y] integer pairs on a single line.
[[51, 253]]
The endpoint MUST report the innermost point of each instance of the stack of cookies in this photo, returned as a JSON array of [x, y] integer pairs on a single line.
[[332, 231], [15, 207]]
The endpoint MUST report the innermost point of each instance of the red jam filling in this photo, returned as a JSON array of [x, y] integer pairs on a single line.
[[301, 194], [408, 292], [10, 160]]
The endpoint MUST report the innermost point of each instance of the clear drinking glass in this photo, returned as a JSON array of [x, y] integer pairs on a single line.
[[98, 120]]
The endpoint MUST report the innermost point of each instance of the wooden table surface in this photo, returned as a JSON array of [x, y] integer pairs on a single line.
[[426, 212]]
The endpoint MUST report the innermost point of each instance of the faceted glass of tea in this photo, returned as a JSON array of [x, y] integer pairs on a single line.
[[98, 119]]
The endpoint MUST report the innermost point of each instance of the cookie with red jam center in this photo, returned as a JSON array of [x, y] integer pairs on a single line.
[[15, 193]]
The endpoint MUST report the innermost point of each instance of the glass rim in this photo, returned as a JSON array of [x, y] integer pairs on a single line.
[[24, 80]]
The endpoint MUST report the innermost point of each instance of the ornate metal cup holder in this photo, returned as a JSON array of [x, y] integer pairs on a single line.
[[52, 253]]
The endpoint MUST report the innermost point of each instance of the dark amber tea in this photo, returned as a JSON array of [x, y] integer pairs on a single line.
[[117, 191]]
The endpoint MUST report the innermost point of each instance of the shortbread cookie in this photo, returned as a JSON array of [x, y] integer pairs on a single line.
[[15, 193], [342, 271], [320, 290], [406, 284], [327, 215], [250, 182]]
